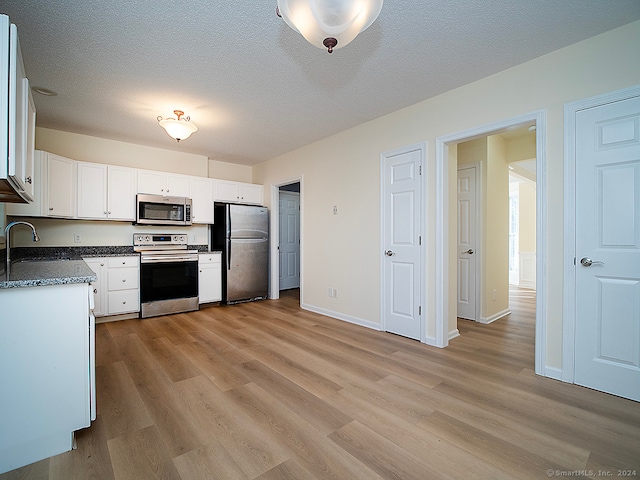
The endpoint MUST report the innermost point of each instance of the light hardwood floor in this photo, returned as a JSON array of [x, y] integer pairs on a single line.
[[268, 391]]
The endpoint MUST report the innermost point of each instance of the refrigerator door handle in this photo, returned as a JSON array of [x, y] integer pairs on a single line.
[[228, 235]]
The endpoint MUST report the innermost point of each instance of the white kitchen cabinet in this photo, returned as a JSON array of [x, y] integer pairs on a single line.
[[55, 189], [239, 192], [18, 131], [59, 188], [202, 198], [209, 277], [46, 371], [106, 192], [162, 183], [99, 267], [117, 288]]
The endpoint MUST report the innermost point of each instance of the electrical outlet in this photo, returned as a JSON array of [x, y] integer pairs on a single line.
[[330, 291], [77, 238], [335, 293], [335, 209], [495, 295]]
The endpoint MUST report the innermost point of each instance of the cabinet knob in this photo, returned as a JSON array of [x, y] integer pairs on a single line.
[[95, 290], [124, 280], [50, 208], [124, 303], [28, 180], [102, 264]]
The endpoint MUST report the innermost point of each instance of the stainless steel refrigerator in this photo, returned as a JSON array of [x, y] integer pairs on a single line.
[[241, 232]]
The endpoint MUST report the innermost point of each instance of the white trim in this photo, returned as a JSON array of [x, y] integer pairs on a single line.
[[552, 372], [527, 274], [341, 316], [479, 234], [454, 334], [569, 306], [422, 148], [274, 237], [442, 214], [495, 316]]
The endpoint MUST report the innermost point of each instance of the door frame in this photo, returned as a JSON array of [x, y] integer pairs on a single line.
[[479, 234], [570, 293], [274, 237], [442, 240], [422, 147]]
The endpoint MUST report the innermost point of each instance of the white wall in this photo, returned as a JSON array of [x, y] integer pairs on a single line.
[[344, 251]]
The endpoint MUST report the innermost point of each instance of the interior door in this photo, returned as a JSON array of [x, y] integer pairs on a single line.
[[607, 335], [289, 246], [402, 213], [467, 251]]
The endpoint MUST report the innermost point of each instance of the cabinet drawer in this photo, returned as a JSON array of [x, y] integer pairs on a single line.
[[123, 302], [207, 258], [130, 261], [123, 278]]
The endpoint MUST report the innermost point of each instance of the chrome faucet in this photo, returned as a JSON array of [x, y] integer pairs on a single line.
[[36, 238]]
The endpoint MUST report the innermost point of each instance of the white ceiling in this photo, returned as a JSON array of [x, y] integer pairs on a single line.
[[257, 89]]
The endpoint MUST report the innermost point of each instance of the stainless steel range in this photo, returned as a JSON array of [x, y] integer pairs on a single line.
[[168, 274]]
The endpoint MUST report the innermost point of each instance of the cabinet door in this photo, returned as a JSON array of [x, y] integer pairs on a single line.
[[202, 199], [177, 185], [250, 193], [121, 193], [98, 266], [60, 186], [92, 190], [210, 278], [150, 182], [227, 191]]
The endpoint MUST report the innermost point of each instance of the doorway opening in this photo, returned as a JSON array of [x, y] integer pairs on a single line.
[[287, 243], [446, 276]]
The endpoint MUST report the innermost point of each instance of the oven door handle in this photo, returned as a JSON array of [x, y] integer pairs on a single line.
[[168, 259]]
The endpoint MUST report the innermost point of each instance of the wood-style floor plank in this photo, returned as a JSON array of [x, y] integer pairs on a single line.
[[268, 391]]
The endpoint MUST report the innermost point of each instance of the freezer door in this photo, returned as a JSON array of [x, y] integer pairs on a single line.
[[248, 272], [248, 222]]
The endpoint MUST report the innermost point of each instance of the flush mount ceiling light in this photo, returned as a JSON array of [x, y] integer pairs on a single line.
[[329, 23], [178, 128]]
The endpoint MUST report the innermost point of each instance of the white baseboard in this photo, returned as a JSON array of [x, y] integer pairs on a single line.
[[495, 316], [454, 333], [341, 316]]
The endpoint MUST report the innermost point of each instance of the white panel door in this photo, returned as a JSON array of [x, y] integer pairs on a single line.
[[467, 252], [607, 335], [402, 212], [289, 240]]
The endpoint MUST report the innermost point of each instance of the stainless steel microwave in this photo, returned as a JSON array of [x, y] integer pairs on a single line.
[[161, 210]]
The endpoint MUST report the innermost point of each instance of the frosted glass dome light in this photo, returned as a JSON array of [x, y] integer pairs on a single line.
[[329, 23], [178, 128]]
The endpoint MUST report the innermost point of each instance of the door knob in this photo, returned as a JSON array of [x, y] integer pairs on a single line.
[[587, 262], [470, 251], [389, 253]]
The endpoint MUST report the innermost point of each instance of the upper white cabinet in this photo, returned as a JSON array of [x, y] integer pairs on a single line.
[[59, 190], [55, 189], [239, 192], [161, 183], [202, 197], [106, 192], [17, 107]]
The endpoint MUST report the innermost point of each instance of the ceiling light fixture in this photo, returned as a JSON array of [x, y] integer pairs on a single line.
[[178, 128], [329, 23]]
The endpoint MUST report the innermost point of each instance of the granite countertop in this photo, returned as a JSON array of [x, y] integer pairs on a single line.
[[35, 273]]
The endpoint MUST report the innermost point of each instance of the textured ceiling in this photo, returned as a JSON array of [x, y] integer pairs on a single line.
[[257, 89]]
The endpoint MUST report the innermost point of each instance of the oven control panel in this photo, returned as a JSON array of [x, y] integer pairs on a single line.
[[153, 239]]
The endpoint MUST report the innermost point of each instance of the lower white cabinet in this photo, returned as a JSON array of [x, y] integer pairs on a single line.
[[46, 371], [117, 290], [210, 277]]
